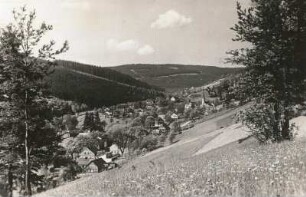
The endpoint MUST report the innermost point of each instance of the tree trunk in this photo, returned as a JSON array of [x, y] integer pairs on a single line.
[[10, 181], [27, 170], [28, 191], [286, 124], [276, 129]]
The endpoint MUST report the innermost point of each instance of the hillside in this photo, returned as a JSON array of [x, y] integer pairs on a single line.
[[96, 86], [188, 168], [173, 77]]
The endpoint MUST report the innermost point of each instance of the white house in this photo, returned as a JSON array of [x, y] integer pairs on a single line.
[[188, 106], [86, 153], [174, 116], [114, 149]]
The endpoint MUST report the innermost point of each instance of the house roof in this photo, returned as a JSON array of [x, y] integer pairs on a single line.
[[93, 150], [98, 162]]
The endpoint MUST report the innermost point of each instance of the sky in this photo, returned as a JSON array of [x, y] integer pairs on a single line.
[[116, 32]]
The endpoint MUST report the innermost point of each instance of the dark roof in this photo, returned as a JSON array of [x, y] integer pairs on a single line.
[[92, 149], [100, 163]]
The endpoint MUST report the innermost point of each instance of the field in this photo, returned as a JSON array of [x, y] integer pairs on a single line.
[[245, 169]]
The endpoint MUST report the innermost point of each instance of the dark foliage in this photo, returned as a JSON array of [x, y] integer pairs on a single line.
[[97, 92]]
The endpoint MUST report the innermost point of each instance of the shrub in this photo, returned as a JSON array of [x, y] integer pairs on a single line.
[[149, 142], [263, 122], [172, 136]]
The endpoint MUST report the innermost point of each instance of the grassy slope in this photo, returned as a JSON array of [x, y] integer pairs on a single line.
[[173, 77], [246, 169]]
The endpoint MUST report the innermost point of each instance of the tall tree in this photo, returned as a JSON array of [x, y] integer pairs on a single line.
[[23, 68], [123, 137], [275, 61]]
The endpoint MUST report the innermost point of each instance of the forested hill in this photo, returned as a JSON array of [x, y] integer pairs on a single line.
[[106, 73], [175, 76], [97, 86]]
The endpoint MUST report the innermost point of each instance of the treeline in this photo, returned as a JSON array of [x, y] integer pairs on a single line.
[[105, 73], [95, 92]]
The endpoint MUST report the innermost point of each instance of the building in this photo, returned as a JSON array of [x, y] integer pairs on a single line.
[[174, 116], [172, 99], [115, 150], [85, 156], [188, 106], [87, 153], [96, 166]]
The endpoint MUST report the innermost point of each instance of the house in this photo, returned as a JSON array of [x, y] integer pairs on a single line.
[[149, 102], [87, 153], [109, 158], [174, 116], [158, 128], [83, 162], [85, 156], [96, 166], [188, 106], [219, 107], [172, 99], [115, 150], [108, 114], [162, 117]]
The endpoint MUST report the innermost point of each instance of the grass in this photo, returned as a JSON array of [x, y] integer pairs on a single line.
[[246, 169], [234, 170]]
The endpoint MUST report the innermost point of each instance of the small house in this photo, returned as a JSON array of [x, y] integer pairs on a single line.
[[115, 150], [172, 99], [188, 106], [87, 153], [162, 117], [174, 116]]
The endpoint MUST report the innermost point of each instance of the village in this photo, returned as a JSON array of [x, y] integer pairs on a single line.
[[105, 138]]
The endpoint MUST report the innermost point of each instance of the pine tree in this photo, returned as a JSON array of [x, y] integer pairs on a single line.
[[86, 124], [25, 92], [275, 63]]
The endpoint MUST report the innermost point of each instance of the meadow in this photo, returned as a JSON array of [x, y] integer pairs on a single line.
[[246, 169]]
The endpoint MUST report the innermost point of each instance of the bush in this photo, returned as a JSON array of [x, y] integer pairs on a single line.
[[149, 142], [162, 138], [262, 121], [172, 136]]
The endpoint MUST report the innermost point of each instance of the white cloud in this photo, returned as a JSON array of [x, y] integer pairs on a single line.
[[171, 19], [127, 45], [76, 4], [145, 50]]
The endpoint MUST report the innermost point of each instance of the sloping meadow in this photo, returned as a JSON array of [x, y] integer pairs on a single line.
[[245, 169]]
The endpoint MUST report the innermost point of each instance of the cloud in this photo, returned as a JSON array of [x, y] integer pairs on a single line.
[[145, 50], [171, 19], [76, 4], [127, 45]]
